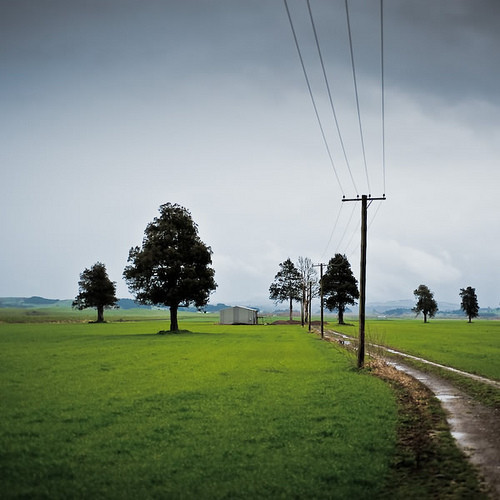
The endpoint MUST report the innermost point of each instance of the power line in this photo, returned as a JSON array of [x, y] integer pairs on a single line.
[[330, 94], [356, 246], [346, 227], [374, 215], [356, 93], [351, 238], [383, 86], [333, 231], [311, 95]]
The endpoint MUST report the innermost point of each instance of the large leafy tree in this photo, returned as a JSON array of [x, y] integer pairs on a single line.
[[425, 302], [340, 287], [96, 290], [286, 285], [469, 304], [173, 266]]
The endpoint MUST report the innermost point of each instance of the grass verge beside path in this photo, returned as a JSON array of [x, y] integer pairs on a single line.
[[116, 411]]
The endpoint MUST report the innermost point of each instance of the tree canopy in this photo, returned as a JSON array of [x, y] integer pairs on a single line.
[[469, 303], [96, 290], [173, 266], [287, 285], [425, 302], [340, 287]]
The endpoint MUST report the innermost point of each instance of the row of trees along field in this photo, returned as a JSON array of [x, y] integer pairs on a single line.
[[300, 283], [172, 268], [340, 288]]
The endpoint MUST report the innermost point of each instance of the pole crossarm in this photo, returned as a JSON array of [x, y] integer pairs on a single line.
[[368, 198]]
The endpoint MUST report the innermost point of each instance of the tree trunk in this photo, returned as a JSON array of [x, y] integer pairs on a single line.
[[291, 309], [302, 306], [341, 316], [470, 319], [174, 325], [100, 314], [425, 317]]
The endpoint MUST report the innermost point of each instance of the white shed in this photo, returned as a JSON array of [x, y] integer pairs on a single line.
[[238, 315]]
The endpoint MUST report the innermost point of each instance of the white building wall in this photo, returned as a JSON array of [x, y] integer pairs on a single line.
[[238, 314]]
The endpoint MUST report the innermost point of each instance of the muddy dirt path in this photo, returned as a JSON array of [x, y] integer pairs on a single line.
[[475, 427]]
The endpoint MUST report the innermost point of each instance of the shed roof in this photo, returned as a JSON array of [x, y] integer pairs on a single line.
[[239, 307]]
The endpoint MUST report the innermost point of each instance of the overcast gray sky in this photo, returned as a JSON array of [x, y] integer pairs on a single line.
[[110, 108]]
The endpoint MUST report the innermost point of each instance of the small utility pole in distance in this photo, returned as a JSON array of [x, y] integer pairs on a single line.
[[310, 302], [362, 273], [321, 295]]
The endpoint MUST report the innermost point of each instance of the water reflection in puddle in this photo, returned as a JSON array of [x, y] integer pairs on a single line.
[[446, 397], [459, 436]]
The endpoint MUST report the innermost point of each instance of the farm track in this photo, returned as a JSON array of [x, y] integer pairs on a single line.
[[475, 427]]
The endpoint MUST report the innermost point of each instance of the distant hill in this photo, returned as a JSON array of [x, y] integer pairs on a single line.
[[35, 301], [208, 308], [391, 309], [131, 304], [27, 302]]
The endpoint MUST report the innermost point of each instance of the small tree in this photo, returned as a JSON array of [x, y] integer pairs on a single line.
[[286, 285], [425, 302], [172, 267], [340, 287], [96, 290], [309, 285], [469, 304]]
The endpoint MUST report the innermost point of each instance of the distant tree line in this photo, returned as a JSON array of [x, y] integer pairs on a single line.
[[172, 268], [340, 289]]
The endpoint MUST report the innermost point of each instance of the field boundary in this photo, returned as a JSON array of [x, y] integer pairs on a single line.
[[479, 378]]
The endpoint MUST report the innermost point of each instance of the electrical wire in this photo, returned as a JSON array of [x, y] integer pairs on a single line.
[[356, 93], [375, 214], [333, 231], [358, 244], [347, 225], [382, 78], [330, 94], [312, 96], [354, 232]]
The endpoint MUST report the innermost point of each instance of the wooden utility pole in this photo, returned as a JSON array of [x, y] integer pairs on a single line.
[[362, 273], [362, 283], [310, 304], [321, 295], [321, 288]]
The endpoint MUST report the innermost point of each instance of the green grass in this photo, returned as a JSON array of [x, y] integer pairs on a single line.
[[116, 411], [57, 314], [473, 347]]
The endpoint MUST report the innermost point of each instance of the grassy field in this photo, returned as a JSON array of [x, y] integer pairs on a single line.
[[116, 411], [473, 347], [56, 314]]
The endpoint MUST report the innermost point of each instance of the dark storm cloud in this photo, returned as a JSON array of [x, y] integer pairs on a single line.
[[116, 106], [448, 48]]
